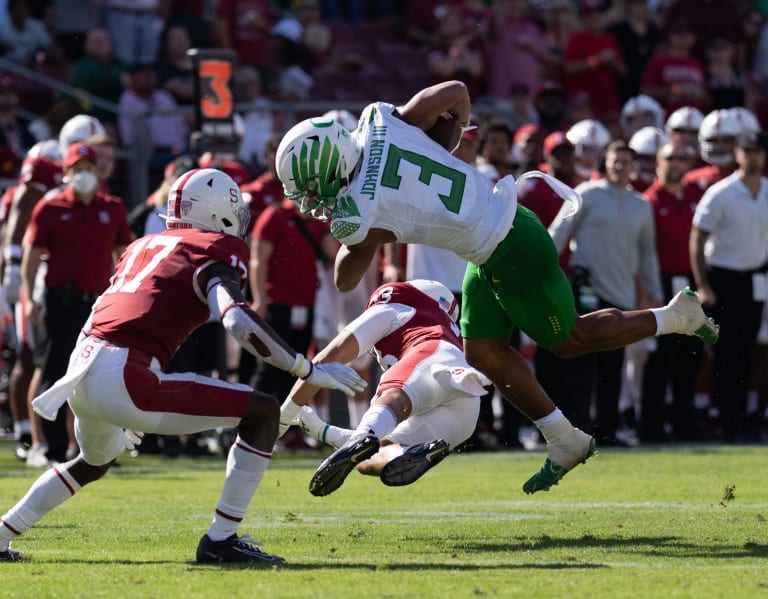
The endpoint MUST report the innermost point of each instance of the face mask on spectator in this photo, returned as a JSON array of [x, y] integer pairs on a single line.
[[84, 182]]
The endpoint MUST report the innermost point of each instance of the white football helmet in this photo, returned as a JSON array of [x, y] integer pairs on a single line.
[[747, 120], [441, 294], [48, 148], [685, 118], [638, 112], [207, 199], [314, 162], [589, 138], [717, 137], [647, 141], [345, 118], [79, 128]]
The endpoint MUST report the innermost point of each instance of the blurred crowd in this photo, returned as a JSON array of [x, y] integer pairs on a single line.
[[627, 99]]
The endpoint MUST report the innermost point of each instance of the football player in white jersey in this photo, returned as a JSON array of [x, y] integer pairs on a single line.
[[395, 180], [426, 402]]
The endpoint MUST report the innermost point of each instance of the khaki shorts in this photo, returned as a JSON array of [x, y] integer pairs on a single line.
[[521, 285]]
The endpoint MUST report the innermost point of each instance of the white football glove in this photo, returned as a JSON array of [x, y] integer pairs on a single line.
[[289, 415], [335, 375], [132, 440], [12, 282]]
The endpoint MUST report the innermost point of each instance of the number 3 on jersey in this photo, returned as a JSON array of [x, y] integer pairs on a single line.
[[427, 168]]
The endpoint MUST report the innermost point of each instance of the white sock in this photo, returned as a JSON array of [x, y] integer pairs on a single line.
[[245, 468], [379, 420], [50, 490], [553, 425], [356, 410], [21, 427], [334, 436]]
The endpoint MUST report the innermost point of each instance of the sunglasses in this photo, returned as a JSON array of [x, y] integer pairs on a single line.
[[676, 158]]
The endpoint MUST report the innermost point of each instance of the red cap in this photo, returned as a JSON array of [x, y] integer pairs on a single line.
[[77, 152], [523, 130], [555, 140]]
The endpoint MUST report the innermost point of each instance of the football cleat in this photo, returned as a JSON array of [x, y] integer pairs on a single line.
[[234, 549], [693, 321], [335, 468], [9, 555], [413, 463], [563, 457]]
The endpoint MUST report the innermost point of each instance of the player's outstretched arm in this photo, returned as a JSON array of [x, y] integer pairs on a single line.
[[228, 305], [343, 348], [446, 98]]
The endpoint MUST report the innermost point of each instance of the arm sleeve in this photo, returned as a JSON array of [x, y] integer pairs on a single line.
[[250, 331], [378, 322]]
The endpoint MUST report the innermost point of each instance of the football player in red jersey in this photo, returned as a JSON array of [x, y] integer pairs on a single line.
[[164, 287], [426, 402], [40, 172]]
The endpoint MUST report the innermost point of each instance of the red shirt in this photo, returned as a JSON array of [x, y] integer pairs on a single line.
[[292, 277], [79, 238], [706, 176], [669, 71], [249, 43], [6, 201], [673, 216], [265, 190], [429, 323], [152, 304], [598, 82]]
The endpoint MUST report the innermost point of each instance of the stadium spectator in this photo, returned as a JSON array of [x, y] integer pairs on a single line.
[[425, 402], [550, 105], [726, 84], [244, 26], [21, 36], [528, 141], [495, 157], [613, 239], [561, 21], [677, 358], [638, 36], [152, 109], [517, 106], [175, 73], [258, 120], [731, 222], [674, 77], [593, 62], [201, 252], [456, 53], [15, 137], [517, 262], [72, 20], [135, 27], [515, 39], [99, 73], [698, 15], [192, 15]]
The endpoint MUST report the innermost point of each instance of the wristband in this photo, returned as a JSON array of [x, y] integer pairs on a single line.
[[230, 306], [309, 374]]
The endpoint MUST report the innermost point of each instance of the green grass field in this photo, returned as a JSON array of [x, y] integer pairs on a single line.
[[668, 523]]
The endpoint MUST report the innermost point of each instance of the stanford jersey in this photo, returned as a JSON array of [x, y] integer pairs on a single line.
[[41, 172], [429, 323], [153, 303]]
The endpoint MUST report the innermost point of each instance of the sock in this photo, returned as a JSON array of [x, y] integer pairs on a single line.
[[335, 436], [50, 490], [379, 420], [553, 425], [21, 427], [356, 410], [245, 468]]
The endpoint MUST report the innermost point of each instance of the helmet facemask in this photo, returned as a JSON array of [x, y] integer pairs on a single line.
[[315, 164]]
